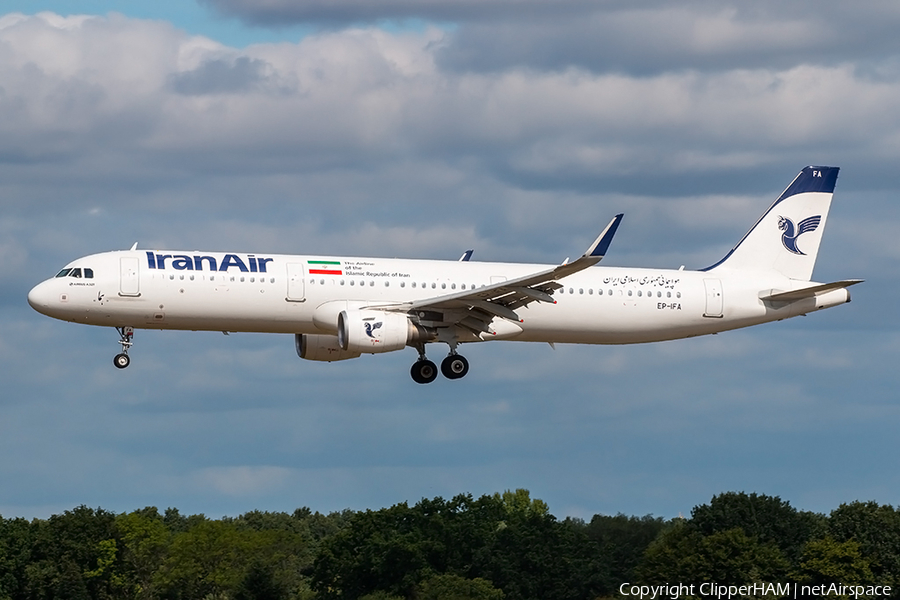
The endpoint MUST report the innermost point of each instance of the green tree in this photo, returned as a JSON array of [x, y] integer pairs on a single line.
[[145, 540], [520, 504], [768, 519], [75, 555], [454, 587], [218, 557], [260, 584], [16, 541], [876, 529], [508, 539], [826, 561], [682, 554], [624, 540]]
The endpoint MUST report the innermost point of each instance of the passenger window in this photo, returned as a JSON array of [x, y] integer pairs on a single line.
[[88, 273], [639, 293], [668, 294], [581, 291], [678, 294], [629, 292], [63, 273]]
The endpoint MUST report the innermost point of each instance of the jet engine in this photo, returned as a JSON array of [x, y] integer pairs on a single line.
[[321, 347], [375, 331]]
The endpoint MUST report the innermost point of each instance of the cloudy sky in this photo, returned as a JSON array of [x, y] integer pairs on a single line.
[[422, 128]]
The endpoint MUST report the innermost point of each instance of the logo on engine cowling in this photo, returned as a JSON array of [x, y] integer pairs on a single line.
[[370, 327]]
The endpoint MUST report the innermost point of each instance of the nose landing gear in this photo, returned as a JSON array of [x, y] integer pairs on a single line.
[[126, 334]]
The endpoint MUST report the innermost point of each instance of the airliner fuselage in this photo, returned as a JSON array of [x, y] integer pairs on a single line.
[[340, 308], [600, 305]]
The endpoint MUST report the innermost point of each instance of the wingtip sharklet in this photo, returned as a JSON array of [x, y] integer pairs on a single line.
[[601, 244]]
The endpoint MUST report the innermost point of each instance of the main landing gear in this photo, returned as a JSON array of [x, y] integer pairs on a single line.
[[126, 334], [455, 366]]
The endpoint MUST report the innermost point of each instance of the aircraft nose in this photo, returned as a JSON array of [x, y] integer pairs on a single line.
[[39, 297]]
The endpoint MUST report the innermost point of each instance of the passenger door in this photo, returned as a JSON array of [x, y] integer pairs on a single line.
[[129, 277]]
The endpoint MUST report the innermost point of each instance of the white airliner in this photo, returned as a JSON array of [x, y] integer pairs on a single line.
[[340, 308]]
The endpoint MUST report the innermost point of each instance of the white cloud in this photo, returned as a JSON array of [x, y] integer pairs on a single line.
[[370, 142]]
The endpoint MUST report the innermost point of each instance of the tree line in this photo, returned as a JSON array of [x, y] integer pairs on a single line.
[[497, 547]]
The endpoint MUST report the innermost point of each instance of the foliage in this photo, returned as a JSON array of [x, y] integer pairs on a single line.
[[731, 557], [767, 519], [876, 529], [623, 540], [825, 561], [454, 587], [502, 546]]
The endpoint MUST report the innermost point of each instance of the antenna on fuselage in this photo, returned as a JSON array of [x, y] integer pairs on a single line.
[[134, 247]]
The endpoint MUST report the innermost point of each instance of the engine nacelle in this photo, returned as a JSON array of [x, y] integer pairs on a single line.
[[375, 331], [321, 347]]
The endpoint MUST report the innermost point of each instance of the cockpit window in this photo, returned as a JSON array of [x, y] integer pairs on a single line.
[[76, 272]]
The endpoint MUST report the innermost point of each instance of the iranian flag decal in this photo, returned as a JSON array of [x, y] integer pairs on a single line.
[[325, 267]]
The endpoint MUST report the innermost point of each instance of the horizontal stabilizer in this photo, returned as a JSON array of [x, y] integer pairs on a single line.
[[808, 292]]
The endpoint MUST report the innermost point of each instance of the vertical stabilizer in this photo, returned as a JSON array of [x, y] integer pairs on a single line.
[[786, 238]]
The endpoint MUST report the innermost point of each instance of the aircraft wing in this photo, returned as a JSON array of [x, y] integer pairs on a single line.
[[478, 307]]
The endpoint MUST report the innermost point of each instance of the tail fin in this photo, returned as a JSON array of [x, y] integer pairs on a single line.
[[786, 238]]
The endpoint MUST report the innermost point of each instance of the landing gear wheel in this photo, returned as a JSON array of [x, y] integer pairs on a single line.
[[455, 366], [424, 371], [126, 337]]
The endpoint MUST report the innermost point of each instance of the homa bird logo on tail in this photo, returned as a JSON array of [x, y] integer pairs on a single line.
[[789, 237]]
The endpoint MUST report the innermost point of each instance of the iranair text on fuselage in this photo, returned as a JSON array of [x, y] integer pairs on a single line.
[[208, 262]]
